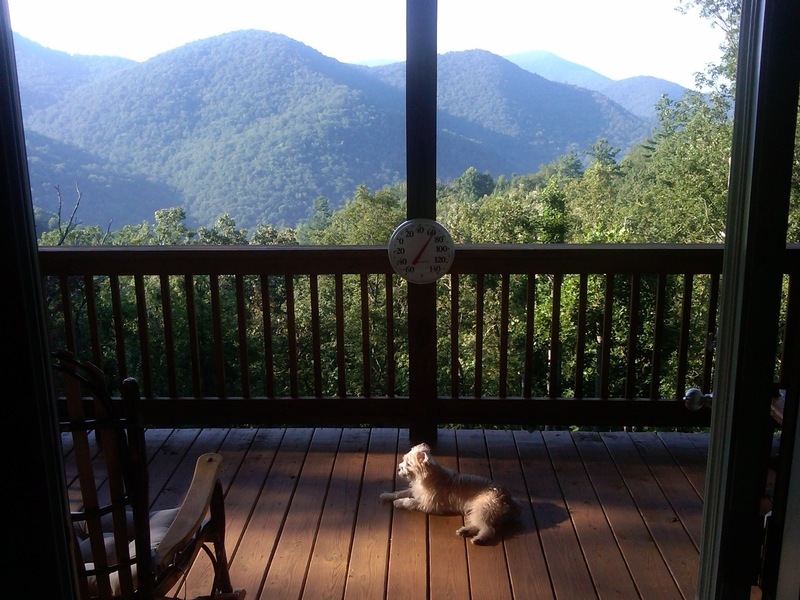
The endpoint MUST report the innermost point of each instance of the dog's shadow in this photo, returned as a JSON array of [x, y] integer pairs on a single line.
[[536, 516], [533, 517]]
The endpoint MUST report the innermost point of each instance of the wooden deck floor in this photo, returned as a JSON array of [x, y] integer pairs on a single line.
[[606, 515]]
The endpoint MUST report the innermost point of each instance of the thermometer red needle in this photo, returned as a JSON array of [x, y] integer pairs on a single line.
[[421, 250]]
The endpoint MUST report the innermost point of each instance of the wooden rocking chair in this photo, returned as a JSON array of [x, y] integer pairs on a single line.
[[122, 550]]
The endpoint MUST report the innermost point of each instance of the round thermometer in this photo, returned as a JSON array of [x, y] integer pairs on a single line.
[[421, 250]]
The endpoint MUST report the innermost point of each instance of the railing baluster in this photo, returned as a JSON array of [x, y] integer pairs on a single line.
[[194, 338], [658, 337], [580, 339], [91, 319], [169, 338], [315, 335], [530, 317], [69, 321], [216, 326], [479, 293], [390, 350], [241, 321], [503, 350], [606, 338], [365, 352], [266, 325], [455, 371], [711, 335], [683, 341], [554, 378], [143, 333], [633, 336], [340, 345], [291, 332], [119, 326]]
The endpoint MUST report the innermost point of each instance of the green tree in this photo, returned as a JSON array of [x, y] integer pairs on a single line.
[[366, 218], [675, 189], [170, 228], [471, 185], [592, 199], [320, 219], [267, 235], [222, 232], [553, 222], [725, 15]]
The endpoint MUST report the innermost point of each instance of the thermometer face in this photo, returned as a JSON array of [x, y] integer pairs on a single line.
[[421, 250]]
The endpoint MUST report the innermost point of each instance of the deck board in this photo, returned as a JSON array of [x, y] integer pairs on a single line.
[[253, 556], [449, 575], [569, 573], [683, 497], [669, 534], [408, 554], [327, 570], [287, 572], [606, 564], [527, 569], [487, 564], [605, 515], [369, 554], [645, 563]]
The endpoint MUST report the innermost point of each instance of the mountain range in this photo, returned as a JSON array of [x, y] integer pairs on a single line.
[[257, 125]]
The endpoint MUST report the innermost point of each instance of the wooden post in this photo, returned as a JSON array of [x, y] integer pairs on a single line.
[[421, 182]]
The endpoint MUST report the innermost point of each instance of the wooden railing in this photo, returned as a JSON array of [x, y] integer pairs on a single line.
[[526, 335]]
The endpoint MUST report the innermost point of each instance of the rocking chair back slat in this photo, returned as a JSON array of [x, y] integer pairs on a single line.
[[122, 550], [113, 483]]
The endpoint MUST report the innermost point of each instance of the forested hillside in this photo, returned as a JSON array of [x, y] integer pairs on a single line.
[[258, 126]]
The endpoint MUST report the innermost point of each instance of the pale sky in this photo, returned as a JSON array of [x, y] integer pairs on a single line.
[[617, 38]]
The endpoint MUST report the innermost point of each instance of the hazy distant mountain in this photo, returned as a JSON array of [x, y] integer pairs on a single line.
[[636, 94], [521, 118], [640, 94], [46, 76], [258, 125], [555, 68]]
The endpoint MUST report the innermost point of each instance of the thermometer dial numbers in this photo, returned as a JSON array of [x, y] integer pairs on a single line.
[[421, 250]]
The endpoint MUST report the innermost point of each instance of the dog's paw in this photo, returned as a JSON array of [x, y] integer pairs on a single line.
[[481, 541], [484, 536], [466, 531], [407, 503], [387, 497]]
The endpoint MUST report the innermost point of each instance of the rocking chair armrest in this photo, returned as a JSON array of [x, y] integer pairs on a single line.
[[193, 510]]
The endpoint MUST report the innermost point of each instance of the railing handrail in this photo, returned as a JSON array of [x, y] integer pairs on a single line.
[[470, 258]]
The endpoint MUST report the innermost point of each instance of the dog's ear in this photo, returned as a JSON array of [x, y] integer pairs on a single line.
[[423, 454]]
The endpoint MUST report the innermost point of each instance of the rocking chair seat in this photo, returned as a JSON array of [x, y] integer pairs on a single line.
[[160, 521], [170, 529]]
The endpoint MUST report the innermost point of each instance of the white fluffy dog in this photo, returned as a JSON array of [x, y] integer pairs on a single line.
[[488, 509]]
